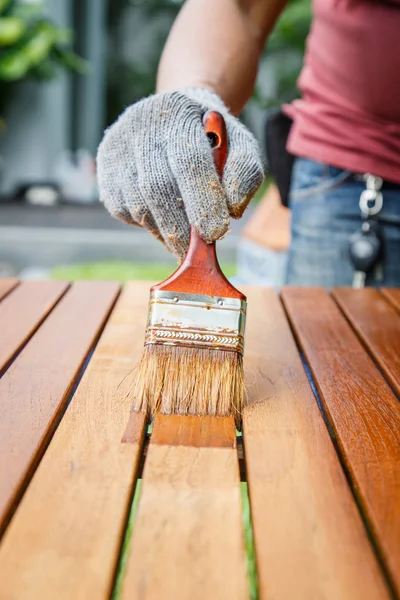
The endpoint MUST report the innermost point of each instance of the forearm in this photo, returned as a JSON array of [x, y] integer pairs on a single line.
[[217, 44]]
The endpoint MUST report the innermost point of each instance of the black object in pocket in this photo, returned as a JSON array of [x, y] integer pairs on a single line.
[[279, 160]]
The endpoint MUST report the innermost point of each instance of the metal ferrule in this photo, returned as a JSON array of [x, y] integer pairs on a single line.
[[194, 320]]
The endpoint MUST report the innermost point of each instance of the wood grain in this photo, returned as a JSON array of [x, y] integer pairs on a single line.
[[37, 385], [393, 295], [187, 538], [377, 323], [6, 285], [309, 537], [22, 312], [362, 410], [200, 432], [65, 537]]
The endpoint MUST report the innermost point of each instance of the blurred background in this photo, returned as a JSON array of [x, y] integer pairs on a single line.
[[68, 68]]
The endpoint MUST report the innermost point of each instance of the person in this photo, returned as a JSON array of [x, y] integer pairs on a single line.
[[155, 165], [264, 242]]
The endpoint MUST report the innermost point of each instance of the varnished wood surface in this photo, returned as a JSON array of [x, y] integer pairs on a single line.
[[377, 323], [39, 381], [6, 285], [65, 537], [393, 295], [22, 311], [64, 540], [188, 535], [363, 412], [309, 538], [199, 432]]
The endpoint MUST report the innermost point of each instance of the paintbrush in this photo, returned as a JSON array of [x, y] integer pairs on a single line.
[[193, 357]]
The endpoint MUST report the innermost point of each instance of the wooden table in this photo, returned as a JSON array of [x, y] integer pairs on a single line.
[[321, 437]]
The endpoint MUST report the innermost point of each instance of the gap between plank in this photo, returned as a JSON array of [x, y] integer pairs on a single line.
[[180, 449], [392, 295], [130, 523], [250, 549], [364, 343], [7, 286], [57, 419], [126, 540], [146, 442], [85, 479], [329, 425], [34, 329]]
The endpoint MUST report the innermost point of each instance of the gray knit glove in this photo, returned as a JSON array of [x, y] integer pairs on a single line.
[[156, 169]]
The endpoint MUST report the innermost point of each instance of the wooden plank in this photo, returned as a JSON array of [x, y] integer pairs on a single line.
[[187, 538], [393, 295], [65, 537], [309, 537], [377, 323], [192, 431], [362, 409], [6, 285], [23, 311], [37, 385]]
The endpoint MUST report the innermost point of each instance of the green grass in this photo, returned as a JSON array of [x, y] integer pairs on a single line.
[[249, 542], [248, 535], [125, 545], [123, 271]]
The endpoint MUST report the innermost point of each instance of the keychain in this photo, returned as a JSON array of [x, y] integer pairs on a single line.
[[366, 244]]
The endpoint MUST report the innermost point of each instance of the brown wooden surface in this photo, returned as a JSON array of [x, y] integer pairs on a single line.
[[39, 381], [309, 538], [64, 540], [362, 409], [6, 285], [393, 295], [201, 432], [65, 537], [22, 311], [187, 539], [377, 323]]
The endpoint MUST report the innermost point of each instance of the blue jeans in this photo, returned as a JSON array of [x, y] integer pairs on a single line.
[[325, 211]]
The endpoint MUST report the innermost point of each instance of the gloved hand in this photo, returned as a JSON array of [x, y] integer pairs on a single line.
[[156, 169]]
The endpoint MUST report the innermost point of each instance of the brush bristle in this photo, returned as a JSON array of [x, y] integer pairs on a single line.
[[189, 381]]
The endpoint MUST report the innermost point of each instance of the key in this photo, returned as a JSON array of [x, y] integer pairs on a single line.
[[365, 250], [359, 278]]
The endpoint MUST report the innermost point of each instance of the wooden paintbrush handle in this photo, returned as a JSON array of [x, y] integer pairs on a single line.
[[200, 272], [215, 128]]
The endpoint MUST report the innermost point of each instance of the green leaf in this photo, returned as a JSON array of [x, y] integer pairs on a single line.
[[13, 66], [38, 47], [45, 71], [29, 11], [63, 35], [11, 30], [70, 60], [5, 5]]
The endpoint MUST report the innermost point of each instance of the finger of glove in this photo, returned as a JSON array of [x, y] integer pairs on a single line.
[[117, 175], [138, 208], [158, 187], [191, 161], [244, 171]]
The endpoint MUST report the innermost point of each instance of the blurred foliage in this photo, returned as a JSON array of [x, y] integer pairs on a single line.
[[286, 45], [131, 78], [31, 46], [123, 271]]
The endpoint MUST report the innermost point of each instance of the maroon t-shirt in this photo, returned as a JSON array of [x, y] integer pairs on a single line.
[[349, 114]]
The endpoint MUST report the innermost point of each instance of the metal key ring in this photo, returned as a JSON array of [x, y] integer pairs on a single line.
[[368, 196]]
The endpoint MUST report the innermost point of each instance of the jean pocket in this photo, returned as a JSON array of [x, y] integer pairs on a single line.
[[310, 178]]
